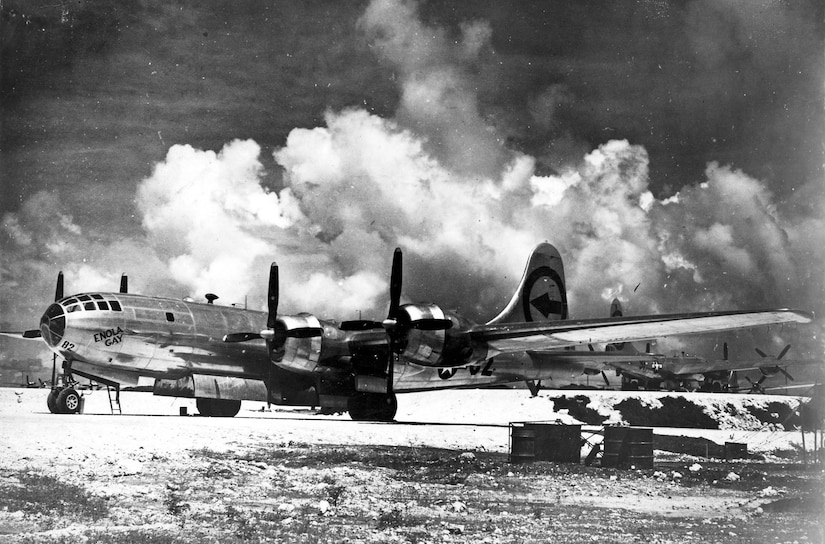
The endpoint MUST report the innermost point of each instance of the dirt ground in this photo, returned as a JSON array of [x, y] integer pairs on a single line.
[[294, 477]]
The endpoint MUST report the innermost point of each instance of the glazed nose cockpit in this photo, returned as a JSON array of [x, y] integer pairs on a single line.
[[53, 325]]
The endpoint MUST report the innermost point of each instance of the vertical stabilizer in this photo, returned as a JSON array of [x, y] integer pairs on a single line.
[[616, 308], [541, 294], [625, 347]]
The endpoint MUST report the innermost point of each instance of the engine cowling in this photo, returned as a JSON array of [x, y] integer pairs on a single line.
[[296, 342], [435, 347]]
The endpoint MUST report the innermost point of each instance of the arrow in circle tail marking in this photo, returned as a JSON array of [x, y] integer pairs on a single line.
[[546, 306]]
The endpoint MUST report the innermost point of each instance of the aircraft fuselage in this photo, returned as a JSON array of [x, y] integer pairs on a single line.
[[122, 337]]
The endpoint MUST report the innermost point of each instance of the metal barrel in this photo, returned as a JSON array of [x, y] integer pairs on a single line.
[[558, 443], [522, 444], [639, 447], [613, 440]]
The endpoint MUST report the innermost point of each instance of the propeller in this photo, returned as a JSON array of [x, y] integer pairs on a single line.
[[777, 368], [272, 318], [398, 322], [756, 386], [391, 324]]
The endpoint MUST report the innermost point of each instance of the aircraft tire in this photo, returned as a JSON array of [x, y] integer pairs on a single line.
[[51, 401], [372, 407], [68, 401], [218, 407]]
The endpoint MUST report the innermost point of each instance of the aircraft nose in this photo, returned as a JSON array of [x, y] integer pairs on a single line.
[[53, 325]]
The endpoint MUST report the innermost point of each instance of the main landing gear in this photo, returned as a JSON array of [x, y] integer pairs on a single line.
[[372, 407], [63, 400], [218, 407]]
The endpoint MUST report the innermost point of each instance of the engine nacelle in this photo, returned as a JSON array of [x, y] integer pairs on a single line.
[[439, 347], [296, 342]]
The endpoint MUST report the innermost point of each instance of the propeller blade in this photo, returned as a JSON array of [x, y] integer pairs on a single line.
[[725, 351], [390, 324], [785, 372], [272, 299], [360, 325], [783, 352], [124, 283], [606, 381], [395, 283], [32, 333], [58, 291], [235, 337], [430, 324], [305, 332], [760, 352]]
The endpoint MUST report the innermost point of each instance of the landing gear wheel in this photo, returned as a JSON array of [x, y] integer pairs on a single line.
[[51, 401], [218, 407], [372, 407], [68, 401]]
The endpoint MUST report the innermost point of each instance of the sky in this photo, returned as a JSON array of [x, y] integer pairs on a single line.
[[672, 151]]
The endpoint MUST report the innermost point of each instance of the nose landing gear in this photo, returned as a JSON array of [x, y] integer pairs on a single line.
[[63, 400]]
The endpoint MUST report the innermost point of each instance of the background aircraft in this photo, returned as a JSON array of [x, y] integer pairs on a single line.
[[689, 373], [221, 355]]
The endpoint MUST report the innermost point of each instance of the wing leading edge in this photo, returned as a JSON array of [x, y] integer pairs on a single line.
[[513, 337]]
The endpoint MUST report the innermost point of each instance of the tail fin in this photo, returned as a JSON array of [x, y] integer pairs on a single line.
[[625, 347], [616, 308], [541, 294]]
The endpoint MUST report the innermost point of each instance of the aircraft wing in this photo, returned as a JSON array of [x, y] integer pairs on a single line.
[[544, 335]]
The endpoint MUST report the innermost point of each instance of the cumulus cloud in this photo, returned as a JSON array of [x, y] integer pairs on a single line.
[[439, 87], [205, 212]]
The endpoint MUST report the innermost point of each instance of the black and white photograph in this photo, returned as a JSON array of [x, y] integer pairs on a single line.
[[412, 271]]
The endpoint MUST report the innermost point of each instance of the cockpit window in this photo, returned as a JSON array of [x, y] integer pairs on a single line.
[[92, 302]]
